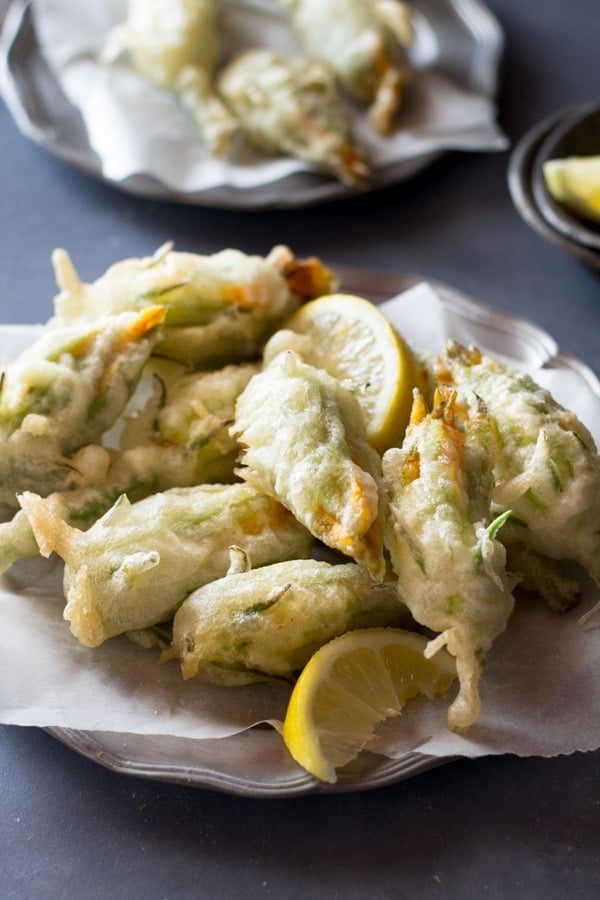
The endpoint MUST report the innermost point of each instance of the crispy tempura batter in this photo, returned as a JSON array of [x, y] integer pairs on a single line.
[[306, 278], [181, 438], [293, 106], [220, 308], [450, 567], [547, 470], [268, 622], [305, 443], [177, 46], [364, 42], [136, 564], [66, 391]]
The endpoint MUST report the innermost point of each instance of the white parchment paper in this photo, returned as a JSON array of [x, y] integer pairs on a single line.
[[136, 128], [540, 689]]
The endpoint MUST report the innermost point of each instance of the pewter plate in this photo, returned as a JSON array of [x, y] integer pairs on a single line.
[[255, 763], [460, 39]]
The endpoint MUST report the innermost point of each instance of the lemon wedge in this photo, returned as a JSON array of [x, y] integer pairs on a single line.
[[350, 685], [353, 341], [574, 182]]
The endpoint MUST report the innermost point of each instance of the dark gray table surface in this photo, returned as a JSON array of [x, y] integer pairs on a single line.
[[495, 827]]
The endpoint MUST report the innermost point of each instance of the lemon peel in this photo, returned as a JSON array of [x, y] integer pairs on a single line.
[[353, 341], [349, 686]]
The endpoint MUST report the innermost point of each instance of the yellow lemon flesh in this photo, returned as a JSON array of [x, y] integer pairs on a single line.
[[575, 183], [350, 685], [353, 341]]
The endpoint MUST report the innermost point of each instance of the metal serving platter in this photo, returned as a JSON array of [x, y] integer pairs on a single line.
[[462, 40], [255, 763]]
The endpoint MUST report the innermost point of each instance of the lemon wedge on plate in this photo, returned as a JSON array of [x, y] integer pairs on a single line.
[[353, 341], [350, 685], [574, 182]]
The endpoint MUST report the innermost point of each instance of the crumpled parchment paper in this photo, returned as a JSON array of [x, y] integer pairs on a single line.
[[136, 128], [540, 689]]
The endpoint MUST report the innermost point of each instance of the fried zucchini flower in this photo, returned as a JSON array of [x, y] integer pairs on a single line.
[[134, 567], [181, 438], [177, 46], [547, 470], [444, 550], [304, 442], [267, 622], [64, 392], [220, 308], [294, 107], [365, 44]]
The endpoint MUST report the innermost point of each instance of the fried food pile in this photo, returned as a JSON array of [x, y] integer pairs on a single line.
[[296, 106], [188, 481]]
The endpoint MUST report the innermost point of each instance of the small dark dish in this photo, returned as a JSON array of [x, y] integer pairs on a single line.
[[578, 134], [520, 186]]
